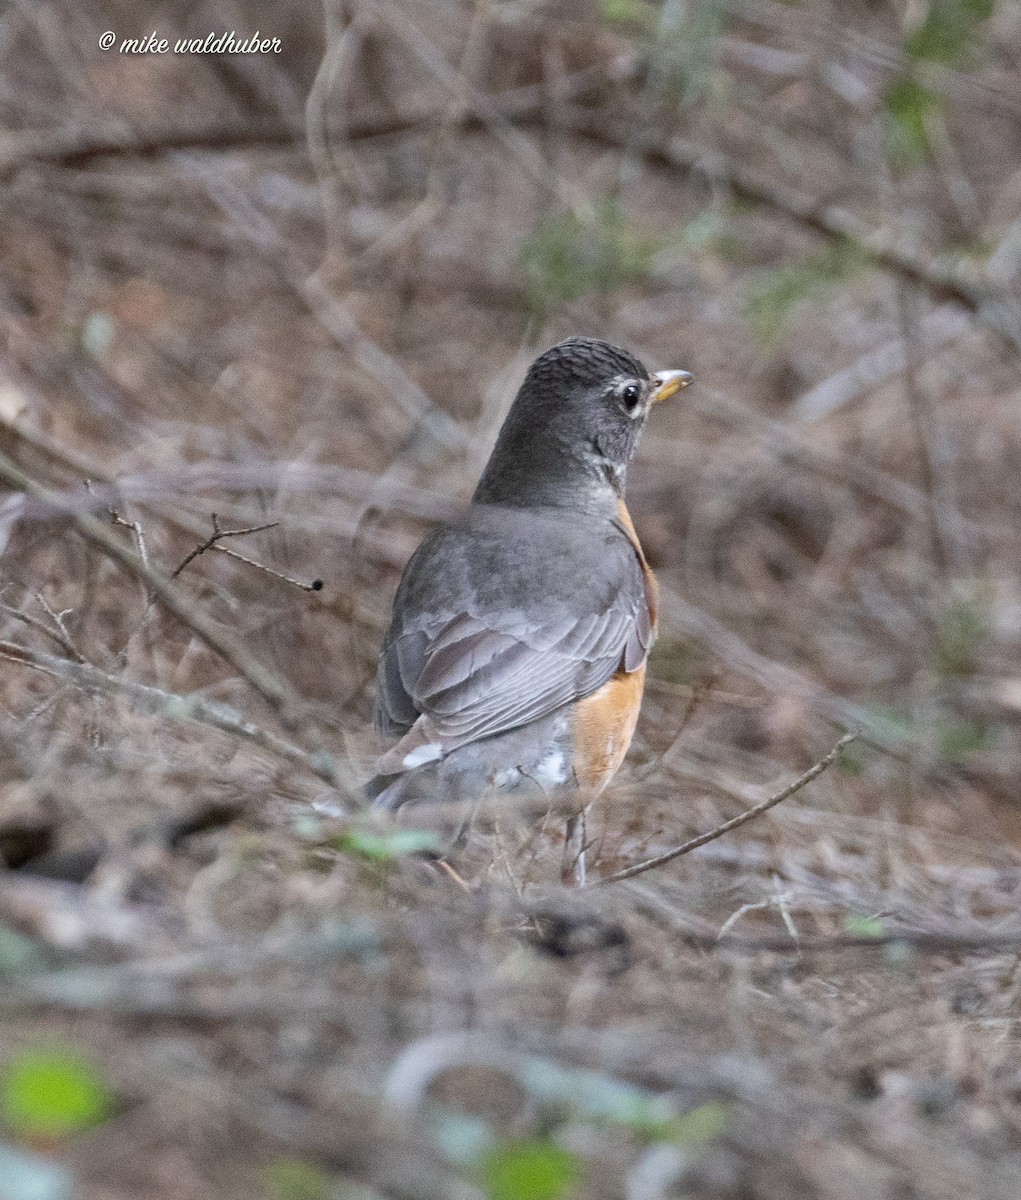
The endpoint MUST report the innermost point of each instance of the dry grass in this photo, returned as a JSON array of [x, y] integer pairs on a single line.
[[298, 292]]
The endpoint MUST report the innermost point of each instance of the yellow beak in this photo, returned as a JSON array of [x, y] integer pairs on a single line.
[[668, 382]]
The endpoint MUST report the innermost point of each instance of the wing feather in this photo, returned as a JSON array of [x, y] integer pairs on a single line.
[[458, 676]]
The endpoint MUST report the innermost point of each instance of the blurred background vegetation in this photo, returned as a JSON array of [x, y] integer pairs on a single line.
[[298, 290]]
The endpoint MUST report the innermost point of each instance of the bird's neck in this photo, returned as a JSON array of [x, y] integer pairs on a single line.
[[551, 474]]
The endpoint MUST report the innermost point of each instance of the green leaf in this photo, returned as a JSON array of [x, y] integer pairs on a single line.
[[565, 257], [958, 739], [950, 31], [528, 1170], [628, 12], [51, 1093], [384, 847], [294, 1179], [907, 107], [859, 926]]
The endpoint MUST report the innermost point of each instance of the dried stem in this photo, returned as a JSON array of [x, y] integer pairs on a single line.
[[693, 844], [267, 683], [171, 704], [218, 535]]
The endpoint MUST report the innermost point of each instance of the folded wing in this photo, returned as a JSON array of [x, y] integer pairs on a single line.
[[449, 677]]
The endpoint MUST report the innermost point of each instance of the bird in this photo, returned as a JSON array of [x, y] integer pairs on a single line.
[[516, 651]]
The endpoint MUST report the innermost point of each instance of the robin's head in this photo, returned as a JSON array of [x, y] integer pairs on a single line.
[[574, 425]]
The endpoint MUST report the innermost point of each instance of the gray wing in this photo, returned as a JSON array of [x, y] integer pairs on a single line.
[[465, 671]]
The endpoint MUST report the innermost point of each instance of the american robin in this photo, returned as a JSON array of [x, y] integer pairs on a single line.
[[516, 652]]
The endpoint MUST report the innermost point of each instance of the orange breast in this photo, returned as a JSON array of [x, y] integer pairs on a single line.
[[604, 724]]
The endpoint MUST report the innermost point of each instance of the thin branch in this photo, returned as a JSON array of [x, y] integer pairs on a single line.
[[218, 535], [218, 716], [58, 619], [927, 941], [41, 627], [213, 543], [313, 585], [945, 278], [947, 544], [136, 530], [138, 535], [273, 688], [703, 838]]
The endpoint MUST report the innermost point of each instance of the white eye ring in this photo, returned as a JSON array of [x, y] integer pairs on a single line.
[[630, 396]]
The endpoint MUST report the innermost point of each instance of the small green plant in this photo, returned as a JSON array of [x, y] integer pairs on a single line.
[[630, 13], [52, 1092], [385, 847], [950, 31], [960, 737], [536, 1169], [677, 40], [960, 633], [567, 257], [949, 34], [295, 1179], [909, 109], [859, 926]]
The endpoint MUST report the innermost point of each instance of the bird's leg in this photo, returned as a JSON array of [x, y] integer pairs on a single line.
[[573, 866]]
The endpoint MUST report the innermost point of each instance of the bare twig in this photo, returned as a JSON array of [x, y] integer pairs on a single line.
[[58, 619], [136, 530], [267, 683], [138, 535], [312, 585], [155, 700], [218, 535], [945, 278], [56, 635], [947, 544], [735, 822]]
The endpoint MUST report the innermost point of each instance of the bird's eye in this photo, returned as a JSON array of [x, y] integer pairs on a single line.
[[630, 395]]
